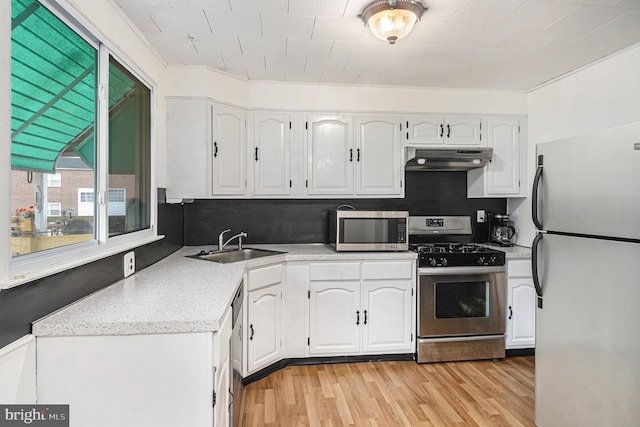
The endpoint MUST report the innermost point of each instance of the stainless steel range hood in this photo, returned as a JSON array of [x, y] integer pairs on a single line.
[[447, 158]]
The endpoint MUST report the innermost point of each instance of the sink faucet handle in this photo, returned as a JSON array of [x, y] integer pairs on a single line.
[[221, 238], [240, 236]]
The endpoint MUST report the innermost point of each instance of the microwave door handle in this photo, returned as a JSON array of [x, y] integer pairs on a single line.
[[534, 195], [534, 267]]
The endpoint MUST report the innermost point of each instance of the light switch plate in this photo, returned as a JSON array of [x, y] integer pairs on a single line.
[[129, 263], [481, 216]]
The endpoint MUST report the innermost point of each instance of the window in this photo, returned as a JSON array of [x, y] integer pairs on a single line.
[[53, 209], [84, 159], [54, 179], [129, 154], [117, 202]]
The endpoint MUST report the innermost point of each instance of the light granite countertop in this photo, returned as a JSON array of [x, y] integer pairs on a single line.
[[178, 294], [513, 252]]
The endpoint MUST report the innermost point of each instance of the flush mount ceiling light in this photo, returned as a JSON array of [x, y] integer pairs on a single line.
[[391, 20]]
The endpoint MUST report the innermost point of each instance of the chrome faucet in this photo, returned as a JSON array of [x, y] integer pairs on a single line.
[[221, 239]]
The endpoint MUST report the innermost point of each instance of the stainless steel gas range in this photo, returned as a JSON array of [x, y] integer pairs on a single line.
[[461, 294]]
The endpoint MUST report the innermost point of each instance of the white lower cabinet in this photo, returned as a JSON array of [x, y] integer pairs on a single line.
[[334, 324], [361, 308], [149, 380], [265, 310], [521, 305]]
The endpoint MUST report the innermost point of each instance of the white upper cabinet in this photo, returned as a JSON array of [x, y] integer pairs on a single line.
[[210, 154], [228, 171], [330, 155], [465, 131], [340, 164], [188, 145], [442, 130], [427, 130], [206, 149], [505, 174], [271, 154], [379, 163]]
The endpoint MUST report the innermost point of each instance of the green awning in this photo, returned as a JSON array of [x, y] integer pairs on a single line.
[[53, 90]]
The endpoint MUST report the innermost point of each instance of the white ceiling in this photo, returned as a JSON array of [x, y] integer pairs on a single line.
[[482, 44]]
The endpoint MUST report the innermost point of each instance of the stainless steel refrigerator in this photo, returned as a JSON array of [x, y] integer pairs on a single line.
[[586, 265]]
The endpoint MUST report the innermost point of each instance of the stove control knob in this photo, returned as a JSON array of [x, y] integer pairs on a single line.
[[481, 260], [432, 262], [492, 260], [444, 262]]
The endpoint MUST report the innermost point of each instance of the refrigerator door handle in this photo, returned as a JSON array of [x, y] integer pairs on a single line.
[[534, 267], [534, 195]]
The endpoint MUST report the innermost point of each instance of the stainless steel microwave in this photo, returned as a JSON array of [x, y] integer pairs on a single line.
[[351, 230]]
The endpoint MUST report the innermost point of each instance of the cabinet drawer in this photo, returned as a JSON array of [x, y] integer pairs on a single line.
[[264, 276], [519, 268], [334, 271], [387, 270]]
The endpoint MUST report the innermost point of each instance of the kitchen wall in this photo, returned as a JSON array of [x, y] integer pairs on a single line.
[[306, 221], [600, 96]]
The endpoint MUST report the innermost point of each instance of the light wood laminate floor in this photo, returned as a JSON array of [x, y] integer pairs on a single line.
[[478, 393]]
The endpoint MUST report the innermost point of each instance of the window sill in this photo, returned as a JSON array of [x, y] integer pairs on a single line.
[[28, 271]]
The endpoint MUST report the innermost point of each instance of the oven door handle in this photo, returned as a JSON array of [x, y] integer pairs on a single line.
[[432, 271], [534, 267]]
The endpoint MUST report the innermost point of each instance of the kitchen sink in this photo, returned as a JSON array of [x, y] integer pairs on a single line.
[[226, 257]]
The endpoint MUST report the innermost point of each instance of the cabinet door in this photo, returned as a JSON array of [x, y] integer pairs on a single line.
[[271, 153], [229, 146], [379, 167], [222, 368], [503, 172], [188, 145], [223, 396], [331, 155], [264, 332], [334, 317], [424, 130], [462, 131], [387, 312], [521, 313]]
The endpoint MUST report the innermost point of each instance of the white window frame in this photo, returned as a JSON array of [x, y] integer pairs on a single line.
[[54, 179], [50, 205], [33, 266]]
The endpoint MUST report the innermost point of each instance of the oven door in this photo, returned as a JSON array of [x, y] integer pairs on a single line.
[[461, 301]]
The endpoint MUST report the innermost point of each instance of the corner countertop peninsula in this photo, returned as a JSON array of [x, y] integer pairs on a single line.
[[179, 294]]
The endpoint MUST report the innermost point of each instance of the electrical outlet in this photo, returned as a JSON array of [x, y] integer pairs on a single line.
[[129, 263], [481, 216]]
